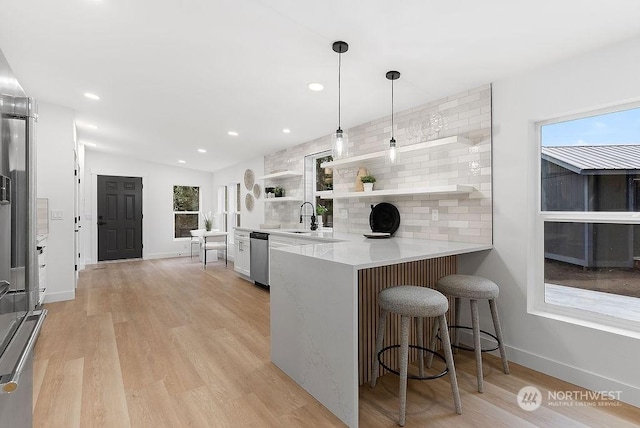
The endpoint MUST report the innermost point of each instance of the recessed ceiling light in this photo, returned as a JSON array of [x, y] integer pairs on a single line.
[[316, 86], [233, 133], [286, 130], [202, 151], [182, 161], [87, 125], [91, 96]]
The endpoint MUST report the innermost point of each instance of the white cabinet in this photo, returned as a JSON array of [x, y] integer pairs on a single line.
[[242, 256]]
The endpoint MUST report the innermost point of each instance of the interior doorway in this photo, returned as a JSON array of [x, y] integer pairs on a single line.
[[119, 217]]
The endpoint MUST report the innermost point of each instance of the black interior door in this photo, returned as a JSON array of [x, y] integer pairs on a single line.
[[119, 217]]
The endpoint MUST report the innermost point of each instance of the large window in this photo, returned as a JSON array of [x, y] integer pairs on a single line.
[[318, 179], [588, 225], [186, 207]]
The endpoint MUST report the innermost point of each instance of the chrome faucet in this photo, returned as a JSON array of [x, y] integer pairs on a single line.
[[314, 224]]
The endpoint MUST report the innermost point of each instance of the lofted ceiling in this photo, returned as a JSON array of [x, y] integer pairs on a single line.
[[175, 77]]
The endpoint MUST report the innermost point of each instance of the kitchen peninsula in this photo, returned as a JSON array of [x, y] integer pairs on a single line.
[[324, 307], [324, 295]]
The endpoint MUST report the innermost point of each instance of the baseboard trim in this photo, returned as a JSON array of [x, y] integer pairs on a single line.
[[61, 296], [165, 255], [178, 254], [630, 394], [160, 256]]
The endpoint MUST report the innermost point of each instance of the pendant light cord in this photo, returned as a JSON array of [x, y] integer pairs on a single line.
[[339, 88], [392, 109]]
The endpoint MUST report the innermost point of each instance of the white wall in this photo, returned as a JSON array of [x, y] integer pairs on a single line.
[[591, 358], [235, 174], [157, 201], [55, 181]]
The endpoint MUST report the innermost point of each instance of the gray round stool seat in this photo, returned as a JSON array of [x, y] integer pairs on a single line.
[[468, 287], [413, 301], [473, 288], [410, 301]]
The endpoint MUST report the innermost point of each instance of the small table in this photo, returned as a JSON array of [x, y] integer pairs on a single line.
[[211, 234]]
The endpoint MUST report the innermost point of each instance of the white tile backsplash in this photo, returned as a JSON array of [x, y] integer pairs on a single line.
[[466, 218]]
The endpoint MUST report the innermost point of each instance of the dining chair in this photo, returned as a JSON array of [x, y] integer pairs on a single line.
[[214, 242], [196, 234]]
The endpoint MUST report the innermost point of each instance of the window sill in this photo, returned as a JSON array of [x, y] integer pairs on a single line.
[[587, 319]]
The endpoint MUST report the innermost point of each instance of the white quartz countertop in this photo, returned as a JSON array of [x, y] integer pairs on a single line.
[[367, 253], [361, 253], [317, 235]]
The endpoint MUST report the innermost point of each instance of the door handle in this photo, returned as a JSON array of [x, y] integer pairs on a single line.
[[9, 383], [102, 223], [4, 287]]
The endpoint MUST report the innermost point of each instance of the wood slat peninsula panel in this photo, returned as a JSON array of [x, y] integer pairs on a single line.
[[371, 281]]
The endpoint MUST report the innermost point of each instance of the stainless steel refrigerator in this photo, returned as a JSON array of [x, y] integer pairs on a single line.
[[20, 322]]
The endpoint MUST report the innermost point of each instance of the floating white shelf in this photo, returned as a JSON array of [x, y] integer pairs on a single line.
[[449, 189], [325, 194], [281, 174], [283, 199], [379, 156]]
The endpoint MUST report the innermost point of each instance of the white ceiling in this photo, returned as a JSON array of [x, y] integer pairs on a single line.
[[176, 76]]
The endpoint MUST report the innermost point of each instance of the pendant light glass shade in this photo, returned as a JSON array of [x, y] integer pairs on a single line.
[[339, 140], [339, 144], [392, 151]]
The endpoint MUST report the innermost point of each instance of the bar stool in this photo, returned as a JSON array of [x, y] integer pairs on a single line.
[[419, 302], [473, 288]]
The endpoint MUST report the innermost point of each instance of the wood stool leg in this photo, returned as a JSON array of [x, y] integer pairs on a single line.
[[475, 323], [420, 332], [375, 365], [432, 344], [498, 329], [404, 360], [448, 355]]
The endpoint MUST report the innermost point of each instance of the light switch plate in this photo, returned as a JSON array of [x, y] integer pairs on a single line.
[[57, 215], [434, 215]]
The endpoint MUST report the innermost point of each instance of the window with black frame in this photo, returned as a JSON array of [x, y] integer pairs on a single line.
[[323, 182], [186, 210]]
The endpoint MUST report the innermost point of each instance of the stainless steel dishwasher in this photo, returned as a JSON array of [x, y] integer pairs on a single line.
[[259, 252]]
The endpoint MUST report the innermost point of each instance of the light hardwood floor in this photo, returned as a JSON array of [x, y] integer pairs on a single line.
[[163, 343]]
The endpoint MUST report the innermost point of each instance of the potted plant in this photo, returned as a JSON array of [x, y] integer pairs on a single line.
[[367, 182], [278, 192], [320, 210], [208, 221]]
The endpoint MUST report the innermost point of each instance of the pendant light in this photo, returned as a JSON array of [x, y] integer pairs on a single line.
[[339, 140], [392, 153]]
